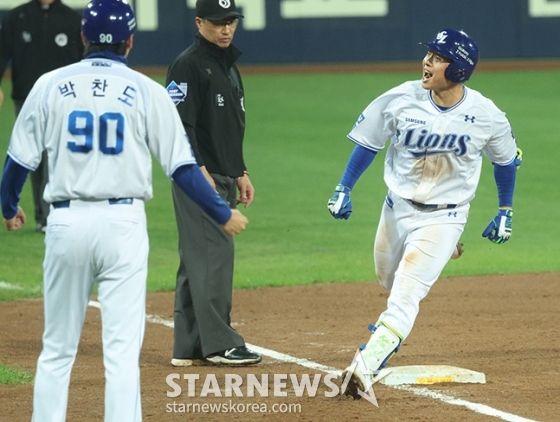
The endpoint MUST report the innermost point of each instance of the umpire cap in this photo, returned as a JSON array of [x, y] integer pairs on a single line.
[[216, 10]]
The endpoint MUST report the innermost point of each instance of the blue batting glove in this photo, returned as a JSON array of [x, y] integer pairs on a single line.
[[340, 204], [499, 229]]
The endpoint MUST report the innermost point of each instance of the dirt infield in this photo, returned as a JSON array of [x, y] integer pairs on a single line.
[[504, 326]]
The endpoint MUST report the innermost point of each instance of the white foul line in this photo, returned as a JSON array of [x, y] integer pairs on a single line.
[[290, 359], [419, 391], [477, 407]]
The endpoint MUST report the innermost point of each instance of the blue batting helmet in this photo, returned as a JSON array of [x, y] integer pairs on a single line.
[[458, 47], [108, 21]]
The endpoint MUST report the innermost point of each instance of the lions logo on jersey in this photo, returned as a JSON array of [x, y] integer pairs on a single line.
[[421, 142]]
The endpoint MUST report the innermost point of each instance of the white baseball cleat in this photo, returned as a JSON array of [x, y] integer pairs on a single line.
[[356, 383], [182, 362], [358, 378]]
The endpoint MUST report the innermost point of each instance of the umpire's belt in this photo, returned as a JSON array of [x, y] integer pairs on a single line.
[[432, 206], [112, 201]]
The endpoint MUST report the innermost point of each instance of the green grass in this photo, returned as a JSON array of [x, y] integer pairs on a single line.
[[296, 150], [14, 376]]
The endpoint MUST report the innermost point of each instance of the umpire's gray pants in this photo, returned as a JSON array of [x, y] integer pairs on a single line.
[[203, 295]]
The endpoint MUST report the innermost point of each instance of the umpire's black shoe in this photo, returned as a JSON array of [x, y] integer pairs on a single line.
[[236, 356]]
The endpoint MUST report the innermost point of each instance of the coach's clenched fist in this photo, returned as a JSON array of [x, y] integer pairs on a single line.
[[236, 224], [16, 222]]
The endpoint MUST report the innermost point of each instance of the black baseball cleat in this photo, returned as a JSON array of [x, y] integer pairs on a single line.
[[235, 356]]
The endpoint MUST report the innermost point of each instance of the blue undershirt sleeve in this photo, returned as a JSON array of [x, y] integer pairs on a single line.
[[359, 161], [13, 179], [191, 181], [505, 181]]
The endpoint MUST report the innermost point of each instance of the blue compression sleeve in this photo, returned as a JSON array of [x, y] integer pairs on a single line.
[[359, 161], [505, 181], [191, 181], [13, 179]]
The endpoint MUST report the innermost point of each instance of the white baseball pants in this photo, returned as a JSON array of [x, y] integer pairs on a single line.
[[87, 243], [412, 246]]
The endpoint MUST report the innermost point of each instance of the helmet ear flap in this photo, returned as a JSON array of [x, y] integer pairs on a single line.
[[455, 74]]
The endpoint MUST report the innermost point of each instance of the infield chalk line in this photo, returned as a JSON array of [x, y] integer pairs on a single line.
[[419, 391], [9, 286]]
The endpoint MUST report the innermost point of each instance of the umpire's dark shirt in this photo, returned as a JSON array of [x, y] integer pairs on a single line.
[[38, 40], [213, 110]]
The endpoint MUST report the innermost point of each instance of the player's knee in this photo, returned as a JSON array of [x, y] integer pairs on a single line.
[[385, 281]]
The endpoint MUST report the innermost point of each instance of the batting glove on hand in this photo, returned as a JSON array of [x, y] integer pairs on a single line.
[[518, 159], [499, 229], [340, 204]]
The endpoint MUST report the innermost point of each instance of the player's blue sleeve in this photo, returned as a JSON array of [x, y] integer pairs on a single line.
[[13, 179], [359, 161], [191, 181], [505, 181]]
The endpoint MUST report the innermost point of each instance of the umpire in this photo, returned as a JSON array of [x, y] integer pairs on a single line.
[[37, 37], [206, 87]]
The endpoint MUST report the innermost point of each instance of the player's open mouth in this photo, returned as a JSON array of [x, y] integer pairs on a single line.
[[427, 75]]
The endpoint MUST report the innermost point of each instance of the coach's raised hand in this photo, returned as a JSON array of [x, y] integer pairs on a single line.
[[340, 204]]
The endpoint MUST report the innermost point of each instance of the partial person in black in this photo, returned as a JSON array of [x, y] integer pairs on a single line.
[[37, 37], [206, 86]]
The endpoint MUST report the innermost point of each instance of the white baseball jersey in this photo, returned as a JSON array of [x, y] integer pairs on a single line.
[[98, 121], [434, 155]]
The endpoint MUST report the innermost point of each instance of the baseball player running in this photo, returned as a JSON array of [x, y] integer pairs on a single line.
[[437, 130], [100, 122]]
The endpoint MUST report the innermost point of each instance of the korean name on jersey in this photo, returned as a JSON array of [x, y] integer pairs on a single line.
[[100, 122]]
